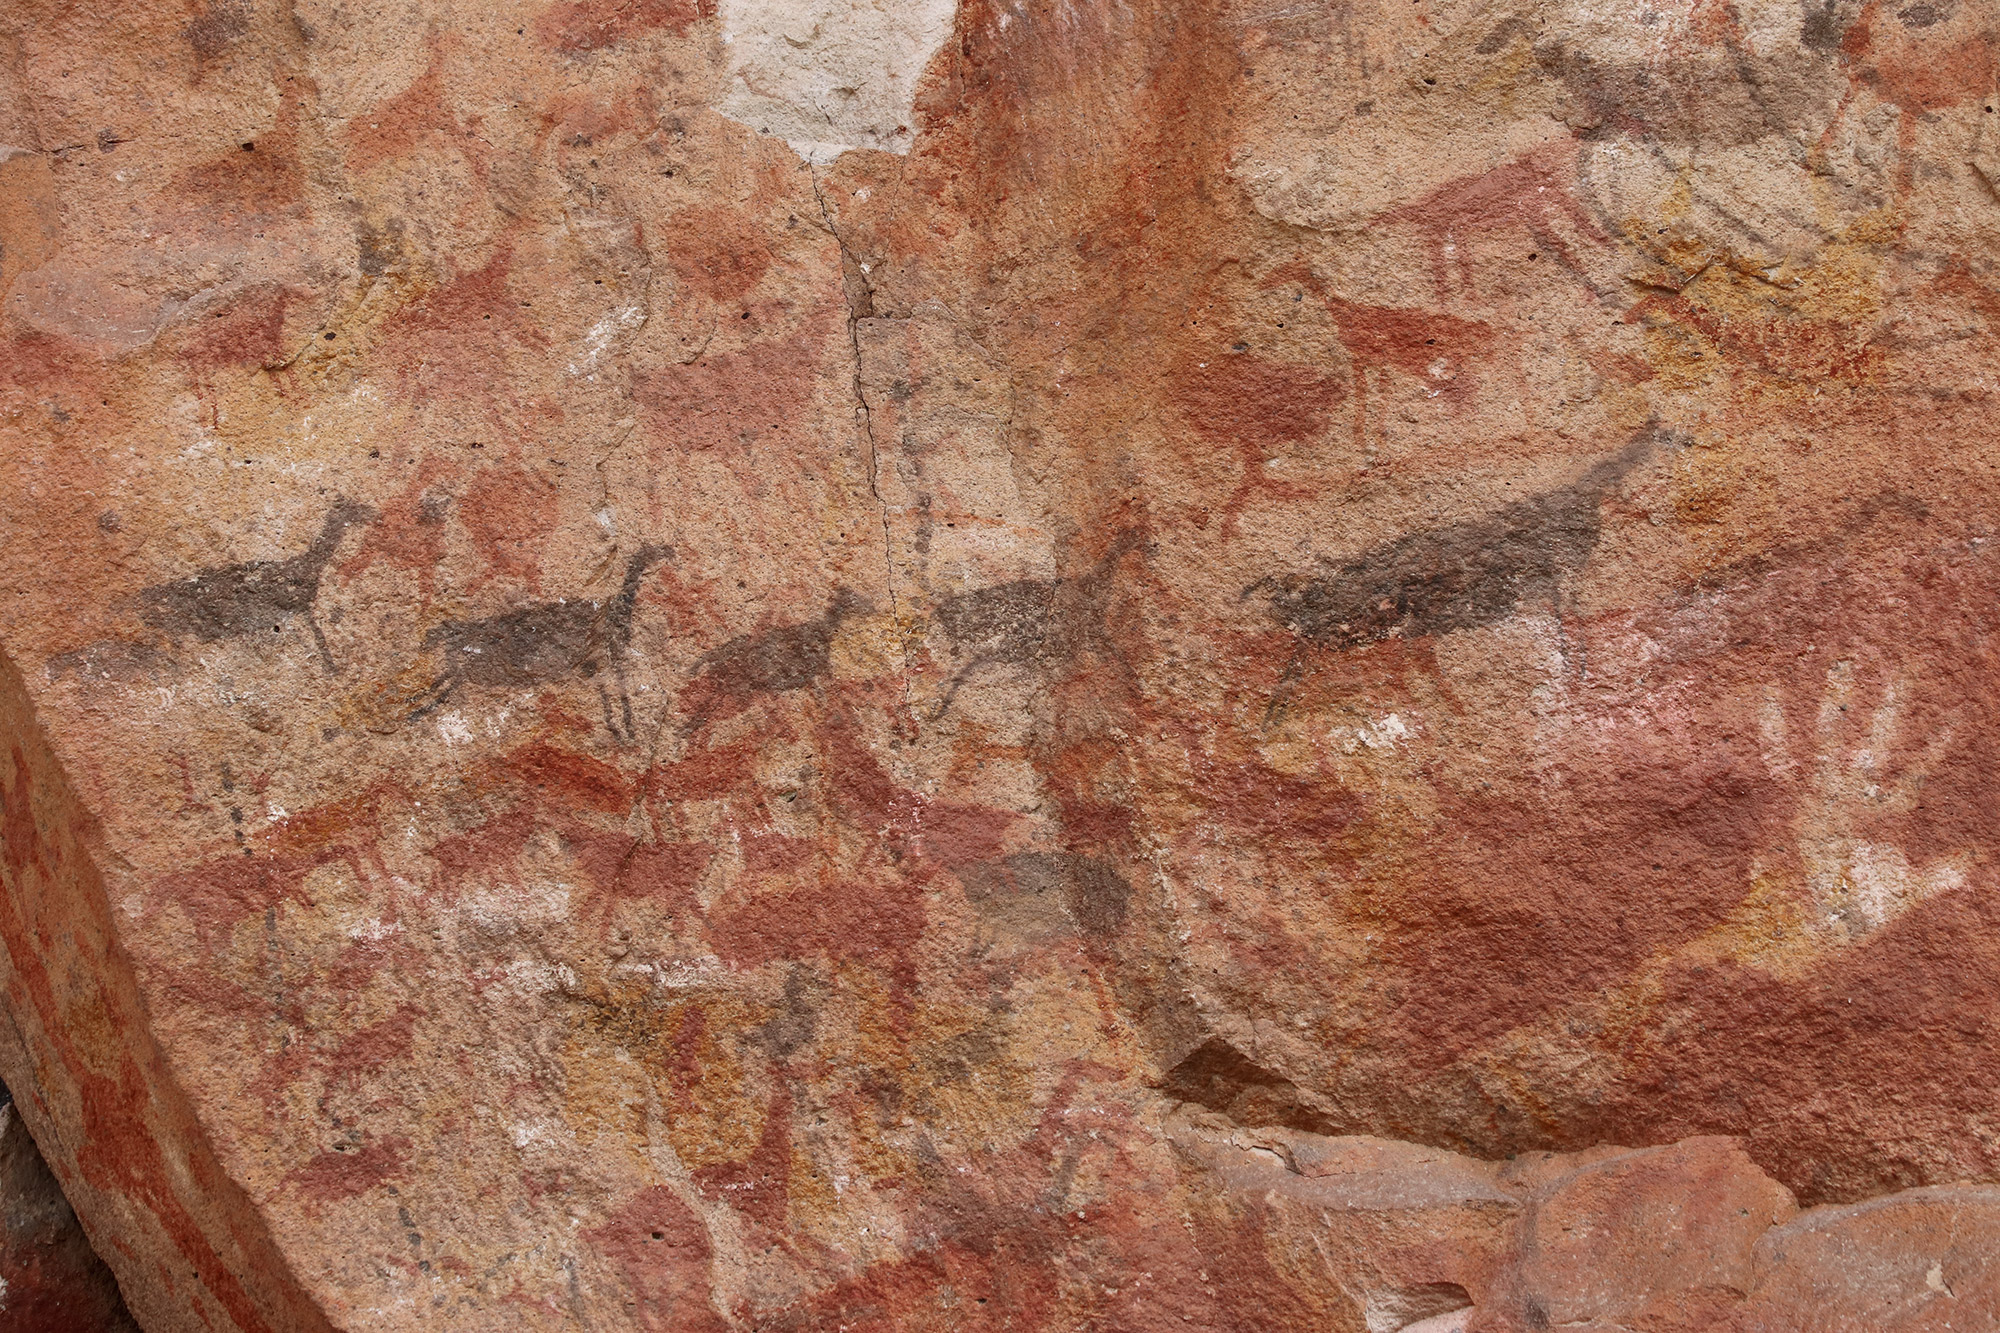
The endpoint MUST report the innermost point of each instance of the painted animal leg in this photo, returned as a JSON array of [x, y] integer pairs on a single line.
[[610, 724], [325, 656], [1579, 658], [1565, 258], [958, 680], [434, 697], [1281, 693], [1423, 655]]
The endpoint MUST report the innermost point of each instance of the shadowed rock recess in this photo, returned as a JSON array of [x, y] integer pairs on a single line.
[[721, 665], [50, 1281]]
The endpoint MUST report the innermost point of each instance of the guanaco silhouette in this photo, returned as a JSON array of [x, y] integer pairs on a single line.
[[772, 661], [1458, 576], [1477, 571], [254, 596], [548, 641], [1029, 622]]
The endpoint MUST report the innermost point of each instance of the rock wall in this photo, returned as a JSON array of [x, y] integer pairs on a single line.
[[675, 665]]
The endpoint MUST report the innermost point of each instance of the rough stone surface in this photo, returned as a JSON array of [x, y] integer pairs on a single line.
[[1690, 1236], [786, 664]]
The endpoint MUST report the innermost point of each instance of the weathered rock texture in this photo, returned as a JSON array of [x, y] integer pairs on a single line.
[[810, 665], [1365, 1233]]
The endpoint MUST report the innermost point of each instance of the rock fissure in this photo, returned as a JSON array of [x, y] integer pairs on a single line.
[[862, 306]]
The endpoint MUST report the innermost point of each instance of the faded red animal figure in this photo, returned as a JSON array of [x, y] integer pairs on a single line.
[[1793, 349], [722, 772], [873, 915], [1259, 409], [738, 402], [661, 1247], [758, 1187], [349, 1064], [245, 329], [577, 122], [1432, 347], [720, 252], [261, 179], [876, 925], [1526, 196], [340, 1173], [405, 121], [451, 343], [1920, 59], [410, 535], [1420, 343], [544, 787], [591, 25], [221, 894], [623, 869], [509, 512]]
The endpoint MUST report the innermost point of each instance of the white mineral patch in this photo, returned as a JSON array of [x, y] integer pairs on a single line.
[[1381, 734], [829, 75]]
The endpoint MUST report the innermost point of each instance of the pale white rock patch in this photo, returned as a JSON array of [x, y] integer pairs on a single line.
[[1381, 734], [602, 335], [829, 75], [1456, 1321], [453, 729]]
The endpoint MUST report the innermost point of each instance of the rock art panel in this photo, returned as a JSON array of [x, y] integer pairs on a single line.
[[1005, 665]]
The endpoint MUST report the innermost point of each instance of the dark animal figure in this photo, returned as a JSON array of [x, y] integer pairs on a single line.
[[256, 596], [785, 657], [1463, 575], [546, 642], [1029, 622]]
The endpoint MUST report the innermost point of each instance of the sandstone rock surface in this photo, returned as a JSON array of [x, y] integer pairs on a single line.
[[791, 664], [1687, 1236]]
